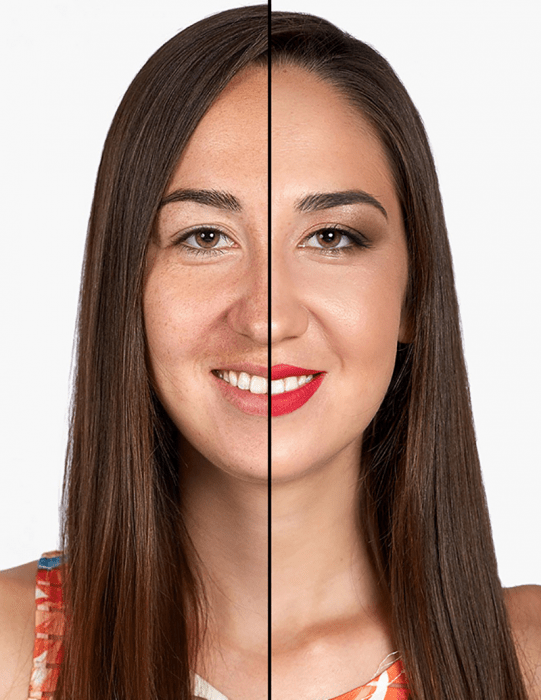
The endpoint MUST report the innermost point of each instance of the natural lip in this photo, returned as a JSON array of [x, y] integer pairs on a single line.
[[283, 371]]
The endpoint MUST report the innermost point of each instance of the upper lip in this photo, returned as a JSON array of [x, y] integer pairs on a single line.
[[283, 371]]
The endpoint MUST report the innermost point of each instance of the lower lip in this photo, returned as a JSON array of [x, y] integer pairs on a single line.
[[290, 401], [258, 404], [245, 401]]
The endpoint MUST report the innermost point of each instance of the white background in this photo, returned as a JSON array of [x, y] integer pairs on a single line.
[[471, 67]]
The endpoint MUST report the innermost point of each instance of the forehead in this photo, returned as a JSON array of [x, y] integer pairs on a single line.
[[318, 141], [231, 141]]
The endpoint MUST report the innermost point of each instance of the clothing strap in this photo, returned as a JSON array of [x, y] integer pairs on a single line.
[[48, 649]]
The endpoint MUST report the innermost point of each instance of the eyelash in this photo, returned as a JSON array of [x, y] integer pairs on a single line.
[[357, 241], [208, 252]]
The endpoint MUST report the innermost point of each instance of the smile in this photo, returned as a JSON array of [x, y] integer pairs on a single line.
[[299, 385], [290, 388], [260, 385]]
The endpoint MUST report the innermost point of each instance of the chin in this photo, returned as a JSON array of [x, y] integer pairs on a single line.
[[291, 464], [317, 448], [240, 461]]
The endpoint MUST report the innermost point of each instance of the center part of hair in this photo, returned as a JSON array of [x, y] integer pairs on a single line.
[[260, 385]]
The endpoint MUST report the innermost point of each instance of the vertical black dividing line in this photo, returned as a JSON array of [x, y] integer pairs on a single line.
[[269, 362]]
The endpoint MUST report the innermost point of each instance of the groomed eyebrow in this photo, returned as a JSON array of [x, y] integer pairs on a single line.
[[210, 198], [328, 200]]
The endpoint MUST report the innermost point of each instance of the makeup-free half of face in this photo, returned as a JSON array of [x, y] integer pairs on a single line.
[[206, 295]]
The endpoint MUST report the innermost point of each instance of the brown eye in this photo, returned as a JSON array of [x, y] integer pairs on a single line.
[[206, 239], [334, 241], [329, 238]]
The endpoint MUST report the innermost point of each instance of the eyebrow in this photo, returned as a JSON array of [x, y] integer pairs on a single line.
[[328, 200], [209, 198]]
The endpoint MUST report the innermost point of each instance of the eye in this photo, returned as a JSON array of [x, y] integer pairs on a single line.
[[334, 241], [328, 238], [207, 238], [208, 241]]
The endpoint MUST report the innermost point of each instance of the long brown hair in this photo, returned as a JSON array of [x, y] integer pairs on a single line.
[[133, 600], [423, 504]]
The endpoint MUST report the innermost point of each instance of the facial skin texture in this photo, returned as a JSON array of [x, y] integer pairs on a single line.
[[205, 312], [339, 313]]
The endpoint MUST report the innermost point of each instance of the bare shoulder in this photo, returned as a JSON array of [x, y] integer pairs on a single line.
[[17, 615], [524, 610]]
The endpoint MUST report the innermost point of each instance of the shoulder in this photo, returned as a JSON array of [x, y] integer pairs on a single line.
[[524, 610], [17, 616]]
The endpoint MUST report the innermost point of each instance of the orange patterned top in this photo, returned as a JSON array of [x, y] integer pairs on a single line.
[[49, 627], [390, 684]]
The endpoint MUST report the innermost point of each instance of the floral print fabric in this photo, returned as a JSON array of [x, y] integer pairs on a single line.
[[391, 684], [49, 627]]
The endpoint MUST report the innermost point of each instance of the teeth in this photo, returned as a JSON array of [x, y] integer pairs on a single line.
[[244, 381], [291, 383], [260, 385], [277, 386]]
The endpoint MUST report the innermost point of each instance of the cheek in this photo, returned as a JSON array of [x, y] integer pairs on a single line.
[[360, 314], [179, 313], [366, 334]]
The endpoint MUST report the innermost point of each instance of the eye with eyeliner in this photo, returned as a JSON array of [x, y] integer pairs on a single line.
[[347, 241], [194, 246]]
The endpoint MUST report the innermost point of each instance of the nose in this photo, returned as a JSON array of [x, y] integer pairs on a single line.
[[289, 318], [249, 314]]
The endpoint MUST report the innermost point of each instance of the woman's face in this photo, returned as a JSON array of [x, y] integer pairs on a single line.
[[339, 274], [206, 294], [340, 270]]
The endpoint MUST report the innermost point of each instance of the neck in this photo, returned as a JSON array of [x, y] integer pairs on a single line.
[[320, 569], [227, 519]]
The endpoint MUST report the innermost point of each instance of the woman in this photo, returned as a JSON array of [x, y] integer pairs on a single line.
[[380, 539]]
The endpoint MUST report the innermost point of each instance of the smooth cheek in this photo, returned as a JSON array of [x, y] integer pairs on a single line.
[[357, 323], [362, 325]]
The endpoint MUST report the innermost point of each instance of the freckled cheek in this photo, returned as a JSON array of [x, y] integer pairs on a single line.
[[180, 318]]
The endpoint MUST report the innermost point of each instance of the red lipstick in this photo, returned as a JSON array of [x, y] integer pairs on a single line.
[[283, 371], [290, 401]]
